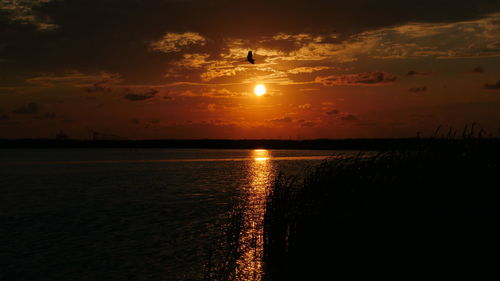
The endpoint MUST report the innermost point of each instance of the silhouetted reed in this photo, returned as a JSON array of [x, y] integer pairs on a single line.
[[402, 213], [225, 249], [429, 209]]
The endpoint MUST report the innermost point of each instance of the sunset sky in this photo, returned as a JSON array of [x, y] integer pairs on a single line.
[[177, 68]]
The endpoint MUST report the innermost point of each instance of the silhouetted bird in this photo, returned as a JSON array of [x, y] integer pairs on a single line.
[[250, 57]]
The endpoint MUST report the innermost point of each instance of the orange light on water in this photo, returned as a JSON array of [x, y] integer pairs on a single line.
[[261, 158], [260, 174]]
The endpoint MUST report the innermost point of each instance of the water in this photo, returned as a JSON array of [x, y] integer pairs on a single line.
[[122, 214]]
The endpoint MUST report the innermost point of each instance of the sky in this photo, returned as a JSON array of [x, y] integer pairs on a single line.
[[177, 68]]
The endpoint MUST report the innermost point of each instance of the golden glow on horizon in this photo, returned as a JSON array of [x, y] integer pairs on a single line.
[[260, 90]]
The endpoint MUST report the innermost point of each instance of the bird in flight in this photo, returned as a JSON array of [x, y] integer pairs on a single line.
[[250, 57]]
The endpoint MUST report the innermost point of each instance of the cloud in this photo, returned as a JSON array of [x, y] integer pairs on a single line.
[[387, 29], [283, 55], [478, 69], [221, 93], [298, 38], [30, 108], [349, 117], [423, 115], [76, 78], [332, 112], [46, 115], [418, 89], [98, 88], [221, 68], [139, 97], [305, 106], [307, 124], [308, 69], [282, 120], [417, 73], [308, 89], [193, 61], [492, 86], [312, 51], [175, 42], [211, 107], [25, 12], [9, 90], [435, 39], [4, 117], [367, 78]]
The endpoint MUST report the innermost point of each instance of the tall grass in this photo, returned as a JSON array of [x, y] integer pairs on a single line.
[[432, 210], [398, 213], [225, 250]]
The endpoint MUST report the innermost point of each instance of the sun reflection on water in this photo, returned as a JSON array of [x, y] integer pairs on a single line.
[[260, 173], [261, 158]]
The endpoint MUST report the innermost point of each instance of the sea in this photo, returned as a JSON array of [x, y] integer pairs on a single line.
[[130, 214]]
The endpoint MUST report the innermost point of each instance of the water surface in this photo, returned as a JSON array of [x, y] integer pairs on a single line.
[[128, 214]]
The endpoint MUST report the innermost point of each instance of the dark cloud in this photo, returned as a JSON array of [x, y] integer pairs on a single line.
[[492, 86], [46, 115], [97, 88], [30, 108], [423, 115], [84, 24], [74, 78], [418, 73], [25, 12], [4, 117], [478, 69], [367, 78], [138, 97], [418, 89], [332, 112], [152, 123], [282, 120], [12, 90], [307, 124], [349, 117], [220, 16]]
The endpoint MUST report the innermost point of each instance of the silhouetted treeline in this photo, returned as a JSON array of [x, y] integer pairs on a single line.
[[326, 144]]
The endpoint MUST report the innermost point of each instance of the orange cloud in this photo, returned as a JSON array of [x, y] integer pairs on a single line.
[[308, 69], [193, 61], [305, 106], [367, 78], [175, 42]]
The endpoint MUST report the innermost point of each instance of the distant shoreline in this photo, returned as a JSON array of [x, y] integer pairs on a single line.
[[315, 144]]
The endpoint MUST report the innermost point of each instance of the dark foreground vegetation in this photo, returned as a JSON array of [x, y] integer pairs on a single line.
[[425, 213], [428, 211]]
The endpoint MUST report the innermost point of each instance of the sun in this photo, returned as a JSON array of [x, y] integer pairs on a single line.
[[260, 90]]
